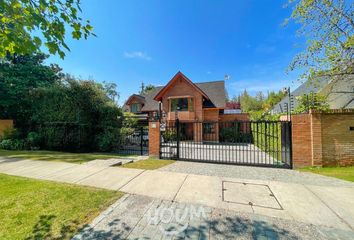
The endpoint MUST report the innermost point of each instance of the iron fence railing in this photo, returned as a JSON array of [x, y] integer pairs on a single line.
[[261, 143]]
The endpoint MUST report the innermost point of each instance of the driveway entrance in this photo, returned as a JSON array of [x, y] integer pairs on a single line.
[[254, 143]]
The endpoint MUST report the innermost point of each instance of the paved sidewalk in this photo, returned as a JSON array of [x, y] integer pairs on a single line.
[[140, 217], [326, 206]]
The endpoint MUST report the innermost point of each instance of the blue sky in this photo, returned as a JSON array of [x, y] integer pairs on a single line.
[[149, 41]]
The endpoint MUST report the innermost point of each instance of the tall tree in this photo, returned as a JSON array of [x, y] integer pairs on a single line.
[[27, 25], [272, 99], [64, 107], [328, 27], [250, 103], [20, 77], [111, 90], [146, 89]]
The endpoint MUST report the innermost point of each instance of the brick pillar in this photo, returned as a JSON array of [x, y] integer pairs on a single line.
[[154, 139], [316, 139], [198, 132], [301, 140], [216, 131]]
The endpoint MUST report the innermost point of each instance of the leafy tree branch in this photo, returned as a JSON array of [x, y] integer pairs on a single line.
[[27, 25], [328, 27]]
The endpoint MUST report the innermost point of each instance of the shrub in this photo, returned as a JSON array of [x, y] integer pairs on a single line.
[[169, 135], [108, 140], [13, 144], [10, 133], [234, 135], [34, 140]]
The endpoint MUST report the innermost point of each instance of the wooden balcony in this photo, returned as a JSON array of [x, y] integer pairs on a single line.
[[182, 115]]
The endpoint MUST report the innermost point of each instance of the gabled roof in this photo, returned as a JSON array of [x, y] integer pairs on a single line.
[[137, 96], [215, 91], [178, 75], [150, 103]]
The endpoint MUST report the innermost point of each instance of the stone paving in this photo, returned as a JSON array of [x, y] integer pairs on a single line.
[[140, 217]]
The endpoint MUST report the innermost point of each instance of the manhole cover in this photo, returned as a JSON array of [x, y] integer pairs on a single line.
[[250, 194]]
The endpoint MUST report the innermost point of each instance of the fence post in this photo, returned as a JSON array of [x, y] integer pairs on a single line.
[[178, 137], [265, 137], [141, 140], [291, 145], [286, 143]]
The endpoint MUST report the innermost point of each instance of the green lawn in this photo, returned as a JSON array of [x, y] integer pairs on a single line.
[[149, 164], [345, 173], [34, 209], [58, 156]]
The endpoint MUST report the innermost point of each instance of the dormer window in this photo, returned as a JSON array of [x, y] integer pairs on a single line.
[[135, 107]]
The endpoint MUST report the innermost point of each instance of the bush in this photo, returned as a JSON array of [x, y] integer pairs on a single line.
[[13, 144], [10, 133], [234, 135], [108, 140], [169, 135], [34, 140]]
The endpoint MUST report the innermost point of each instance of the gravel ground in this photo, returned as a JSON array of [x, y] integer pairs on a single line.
[[258, 173], [139, 217]]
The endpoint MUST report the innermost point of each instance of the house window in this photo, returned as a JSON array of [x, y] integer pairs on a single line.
[[208, 128], [181, 104], [135, 107]]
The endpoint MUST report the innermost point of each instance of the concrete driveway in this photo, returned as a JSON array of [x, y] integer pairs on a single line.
[[329, 207]]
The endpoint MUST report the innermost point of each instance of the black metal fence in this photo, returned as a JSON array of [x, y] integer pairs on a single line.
[[65, 136], [258, 143]]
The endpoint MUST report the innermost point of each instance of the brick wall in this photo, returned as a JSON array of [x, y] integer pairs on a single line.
[[234, 117], [4, 124], [211, 115], [337, 139], [323, 139], [154, 139]]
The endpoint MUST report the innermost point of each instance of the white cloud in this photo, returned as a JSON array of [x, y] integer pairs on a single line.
[[208, 72], [137, 54]]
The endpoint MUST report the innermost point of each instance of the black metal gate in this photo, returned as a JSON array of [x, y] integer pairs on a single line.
[[134, 140], [255, 143]]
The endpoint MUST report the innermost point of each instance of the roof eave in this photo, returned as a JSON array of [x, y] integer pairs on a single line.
[[159, 95]]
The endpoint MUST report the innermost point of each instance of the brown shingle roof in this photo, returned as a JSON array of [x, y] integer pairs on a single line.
[[215, 91], [150, 103]]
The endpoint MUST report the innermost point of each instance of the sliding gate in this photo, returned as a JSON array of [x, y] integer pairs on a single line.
[[256, 143]]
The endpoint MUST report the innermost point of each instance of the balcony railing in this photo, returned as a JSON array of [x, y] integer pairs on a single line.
[[182, 115]]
